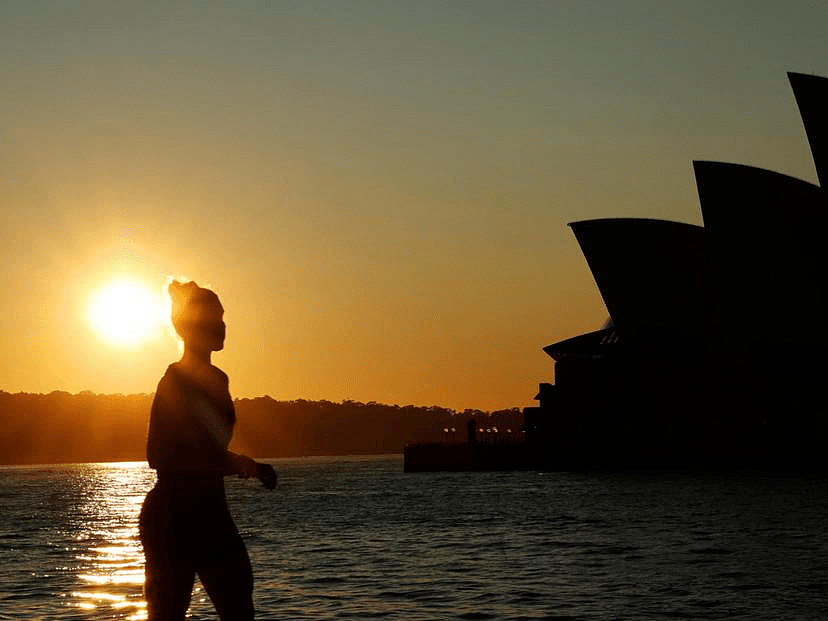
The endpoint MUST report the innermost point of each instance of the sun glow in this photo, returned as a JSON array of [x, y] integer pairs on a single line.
[[125, 312]]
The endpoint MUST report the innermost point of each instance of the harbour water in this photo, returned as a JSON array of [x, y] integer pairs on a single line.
[[356, 538]]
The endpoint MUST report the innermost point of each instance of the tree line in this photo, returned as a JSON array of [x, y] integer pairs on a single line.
[[60, 427]]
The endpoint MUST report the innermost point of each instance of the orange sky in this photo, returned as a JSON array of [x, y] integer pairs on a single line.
[[378, 194]]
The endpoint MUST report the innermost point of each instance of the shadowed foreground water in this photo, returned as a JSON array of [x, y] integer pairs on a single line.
[[357, 538]]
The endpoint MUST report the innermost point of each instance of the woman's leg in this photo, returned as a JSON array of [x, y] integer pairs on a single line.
[[224, 569], [168, 591], [230, 587], [168, 573]]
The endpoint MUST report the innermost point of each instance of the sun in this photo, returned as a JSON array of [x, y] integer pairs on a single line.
[[125, 312]]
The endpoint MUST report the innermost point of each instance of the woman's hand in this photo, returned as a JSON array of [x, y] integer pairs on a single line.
[[267, 475], [246, 468], [243, 465]]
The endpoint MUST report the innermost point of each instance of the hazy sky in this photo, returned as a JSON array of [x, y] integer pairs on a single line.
[[379, 192]]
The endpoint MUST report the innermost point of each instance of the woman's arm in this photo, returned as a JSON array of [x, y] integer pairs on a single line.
[[164, 424], [246, 468]]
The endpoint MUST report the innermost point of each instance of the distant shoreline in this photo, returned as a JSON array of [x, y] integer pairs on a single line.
[[62, 428]]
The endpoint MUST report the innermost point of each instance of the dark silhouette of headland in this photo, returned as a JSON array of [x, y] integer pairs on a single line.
[[714, 353], [60, 427]]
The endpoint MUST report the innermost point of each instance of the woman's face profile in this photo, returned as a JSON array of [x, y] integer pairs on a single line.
[[206, 331]]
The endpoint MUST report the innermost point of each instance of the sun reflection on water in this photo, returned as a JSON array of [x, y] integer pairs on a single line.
[[110, 560]]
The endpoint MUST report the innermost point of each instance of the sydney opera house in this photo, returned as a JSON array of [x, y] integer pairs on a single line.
[[714, 350]]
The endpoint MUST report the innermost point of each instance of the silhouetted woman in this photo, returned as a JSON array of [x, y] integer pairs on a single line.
[[185, 525]]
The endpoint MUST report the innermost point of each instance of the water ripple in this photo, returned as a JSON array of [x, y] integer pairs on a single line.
[[358, 539]]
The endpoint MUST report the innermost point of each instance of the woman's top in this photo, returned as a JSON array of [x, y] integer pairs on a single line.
[[191, 423]]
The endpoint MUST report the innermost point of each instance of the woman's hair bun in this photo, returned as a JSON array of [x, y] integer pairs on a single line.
[[182, 289]]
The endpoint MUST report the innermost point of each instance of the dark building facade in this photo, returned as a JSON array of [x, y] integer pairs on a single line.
[[714, 352]]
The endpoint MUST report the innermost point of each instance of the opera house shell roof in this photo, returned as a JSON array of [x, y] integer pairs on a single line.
[[754, 276], [715, 343]]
